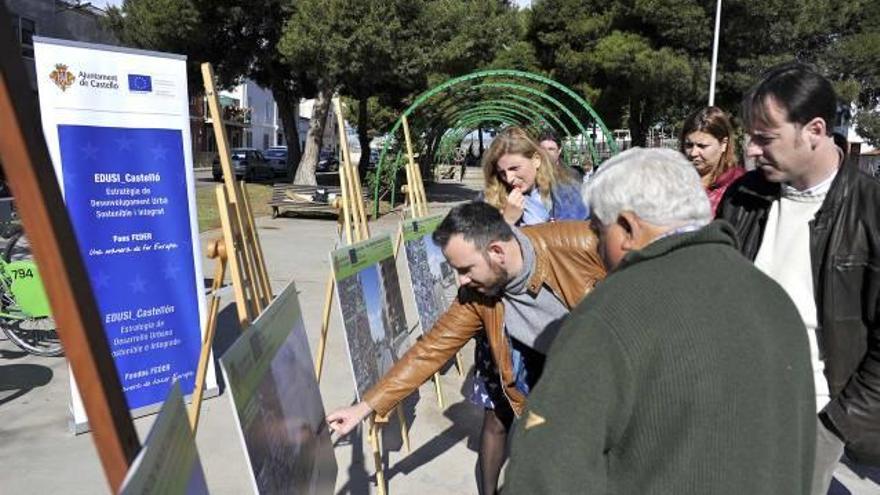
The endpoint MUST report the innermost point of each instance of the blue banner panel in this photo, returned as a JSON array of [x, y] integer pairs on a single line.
[[126, 193]]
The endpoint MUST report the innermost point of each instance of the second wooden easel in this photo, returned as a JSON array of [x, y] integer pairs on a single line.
[[418, 208], [239, 248], [354, 229]]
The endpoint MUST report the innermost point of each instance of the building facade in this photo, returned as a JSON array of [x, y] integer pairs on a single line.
[[63, 19]]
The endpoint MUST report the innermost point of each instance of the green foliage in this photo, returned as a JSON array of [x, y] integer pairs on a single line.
[[387, 178], [238, 38], [364, 48], [361, 49], [380, 116], [161, 25], [644, 62], [868, 126], [853, 59], [467, 34]]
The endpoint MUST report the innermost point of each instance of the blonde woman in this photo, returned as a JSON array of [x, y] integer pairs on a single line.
[[526, 185], [528, 188]]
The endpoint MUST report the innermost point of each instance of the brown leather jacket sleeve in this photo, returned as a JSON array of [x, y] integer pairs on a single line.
[[451, 332]]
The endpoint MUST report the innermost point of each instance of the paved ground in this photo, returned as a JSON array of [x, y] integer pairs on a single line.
[[38, 454]]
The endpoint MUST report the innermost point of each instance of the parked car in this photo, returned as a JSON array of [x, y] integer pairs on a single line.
[[277, 158], [327, 162], [248, 164]]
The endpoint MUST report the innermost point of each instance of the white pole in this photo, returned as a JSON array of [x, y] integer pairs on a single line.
[[715, 54]]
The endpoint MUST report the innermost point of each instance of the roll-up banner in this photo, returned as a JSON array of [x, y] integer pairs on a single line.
[[117, 124]]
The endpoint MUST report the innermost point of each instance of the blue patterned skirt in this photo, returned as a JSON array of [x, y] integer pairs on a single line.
[[487, 390]]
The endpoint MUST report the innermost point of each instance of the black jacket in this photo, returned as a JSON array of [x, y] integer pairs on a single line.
[[845, 254]]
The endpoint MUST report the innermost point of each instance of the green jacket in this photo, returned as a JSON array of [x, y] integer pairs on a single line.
[[686, 372]]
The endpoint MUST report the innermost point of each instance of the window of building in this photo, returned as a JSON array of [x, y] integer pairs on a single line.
[[24, 30], [265, 141]]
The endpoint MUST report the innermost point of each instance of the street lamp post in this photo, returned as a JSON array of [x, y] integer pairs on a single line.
[[715, 54]]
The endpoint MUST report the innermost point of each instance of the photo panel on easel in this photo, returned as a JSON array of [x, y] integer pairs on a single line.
[[433, 279], [368, 291], [277, 403]]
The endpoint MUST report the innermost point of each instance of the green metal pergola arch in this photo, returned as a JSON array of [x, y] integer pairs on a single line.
[[453, 99], [439, 113], [550, 116], [528, 90], [520, 104], [507, 73], [547, 114], [469, 123], [518, 101], [529, 116]]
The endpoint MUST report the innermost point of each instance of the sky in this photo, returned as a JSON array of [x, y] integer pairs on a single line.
[[370, 285]]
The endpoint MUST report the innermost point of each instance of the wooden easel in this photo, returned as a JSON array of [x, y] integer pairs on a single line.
[[31, 176], [239, 248], [354, 229], [418, 208]]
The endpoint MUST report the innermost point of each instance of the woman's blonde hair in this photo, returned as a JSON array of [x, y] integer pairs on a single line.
[[516, 141]]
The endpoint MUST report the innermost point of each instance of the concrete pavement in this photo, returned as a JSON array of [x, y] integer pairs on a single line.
[[38, 454]]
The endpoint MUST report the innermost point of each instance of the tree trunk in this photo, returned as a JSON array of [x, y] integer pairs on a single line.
[[639, 119], [363, 136], [305, 173], [287, 109]]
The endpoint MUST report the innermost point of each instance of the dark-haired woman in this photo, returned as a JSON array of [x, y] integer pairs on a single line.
[[707, 140]]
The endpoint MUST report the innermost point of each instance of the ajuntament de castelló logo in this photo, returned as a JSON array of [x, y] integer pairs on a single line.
[[62, 77]]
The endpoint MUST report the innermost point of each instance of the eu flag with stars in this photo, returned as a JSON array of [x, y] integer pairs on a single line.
[[140, 82]]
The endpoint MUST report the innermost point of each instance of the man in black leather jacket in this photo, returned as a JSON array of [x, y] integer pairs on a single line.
[[812, 225]]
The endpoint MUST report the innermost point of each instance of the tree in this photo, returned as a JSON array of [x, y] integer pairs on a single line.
[[629, 58], [238, 38], [361, 49], [381, 54], [161, 25], [469, 35], [853, 58], [647, 61]]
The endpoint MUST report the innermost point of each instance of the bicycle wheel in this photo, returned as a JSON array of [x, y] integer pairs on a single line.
[[18, 247], [37, 336]]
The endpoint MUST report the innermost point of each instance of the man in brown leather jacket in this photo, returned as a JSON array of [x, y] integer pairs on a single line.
[[516, 285], [810, 221]]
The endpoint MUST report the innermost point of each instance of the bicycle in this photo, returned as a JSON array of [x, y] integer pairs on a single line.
[[25, 315]]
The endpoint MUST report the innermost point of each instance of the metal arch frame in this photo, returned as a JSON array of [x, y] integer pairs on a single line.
[[504, 72], [533, 91], [470, 123], [424, 97], [547, 113], [513, 116], [529, 116], [471, 120], [584, 133], [544, 113]]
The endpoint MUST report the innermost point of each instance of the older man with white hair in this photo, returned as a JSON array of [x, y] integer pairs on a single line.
[[685, 372]]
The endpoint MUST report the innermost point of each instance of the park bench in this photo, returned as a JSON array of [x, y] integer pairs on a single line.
[[303, 199]]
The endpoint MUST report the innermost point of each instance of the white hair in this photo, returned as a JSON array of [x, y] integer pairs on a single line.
[[659, 185]]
